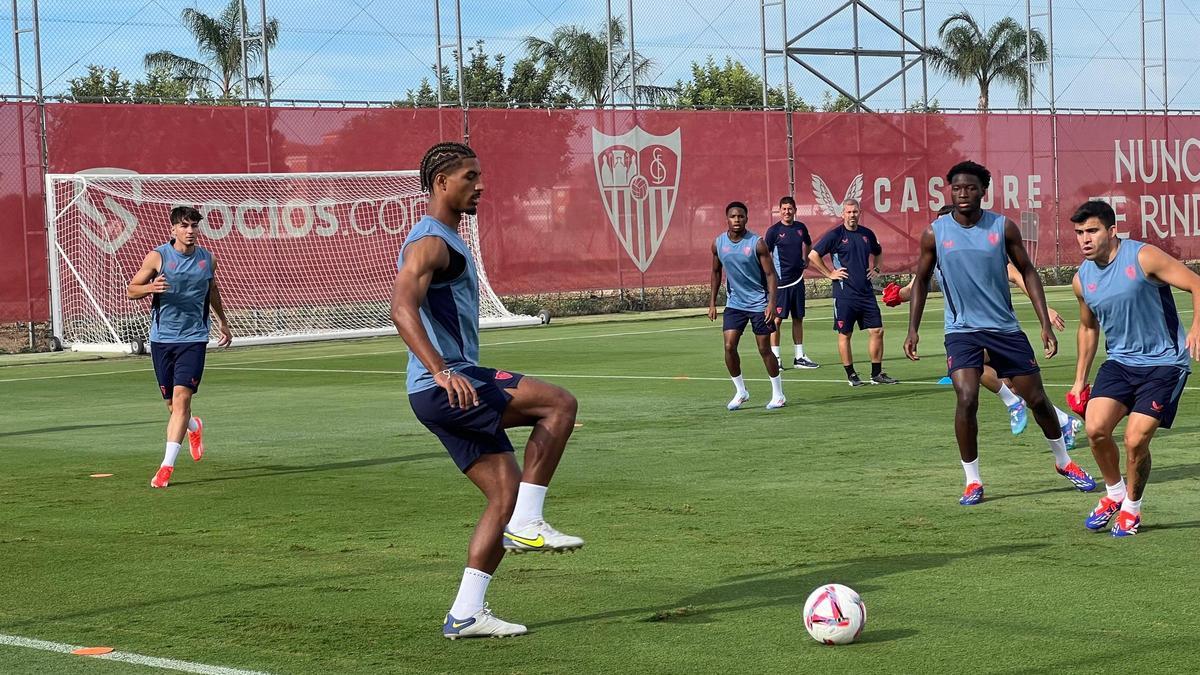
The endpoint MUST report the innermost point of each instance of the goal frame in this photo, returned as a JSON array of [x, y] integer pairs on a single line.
[[58, 260]]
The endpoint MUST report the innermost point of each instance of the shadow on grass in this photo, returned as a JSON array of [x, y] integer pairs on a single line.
[[171, 595], [268, 470], [76, 427], [790, 586], [1189, 524]]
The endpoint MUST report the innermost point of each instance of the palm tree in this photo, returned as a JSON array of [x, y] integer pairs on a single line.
[[581, 59], [219, 40], [1000, 55]]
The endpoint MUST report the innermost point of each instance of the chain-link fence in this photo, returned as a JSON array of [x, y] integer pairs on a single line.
[[1107, 54]]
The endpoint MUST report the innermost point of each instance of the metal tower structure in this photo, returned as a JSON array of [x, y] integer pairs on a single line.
[[910, 53], [1148, 21]]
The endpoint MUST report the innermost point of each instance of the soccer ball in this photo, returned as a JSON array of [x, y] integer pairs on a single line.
[[834, 614]]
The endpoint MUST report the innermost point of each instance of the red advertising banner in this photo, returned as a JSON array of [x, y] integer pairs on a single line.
[[578, 200], [1146, 166]]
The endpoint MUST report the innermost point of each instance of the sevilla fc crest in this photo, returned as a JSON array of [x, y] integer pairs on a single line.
[[638, 176]]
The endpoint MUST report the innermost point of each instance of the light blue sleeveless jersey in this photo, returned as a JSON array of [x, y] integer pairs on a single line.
[[1138, 317], [745, 283], [181, 314], [972, 270], [449, 311]]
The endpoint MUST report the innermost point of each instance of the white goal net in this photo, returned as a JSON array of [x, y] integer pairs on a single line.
[[300, 256]]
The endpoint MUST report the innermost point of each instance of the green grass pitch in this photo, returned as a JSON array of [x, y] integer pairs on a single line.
[[325, 530]]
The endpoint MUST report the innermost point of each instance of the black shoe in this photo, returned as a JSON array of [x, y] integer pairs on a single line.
[[805, 363], [883, 378], [855, 382]]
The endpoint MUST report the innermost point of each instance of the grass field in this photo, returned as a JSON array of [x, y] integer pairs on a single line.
[[325, 531]]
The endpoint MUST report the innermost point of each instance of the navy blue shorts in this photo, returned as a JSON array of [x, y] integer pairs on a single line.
[[1149, 390], [789, 301], [468, 433], [736, 319], [178, 364], [1009, 353], [849, 311]]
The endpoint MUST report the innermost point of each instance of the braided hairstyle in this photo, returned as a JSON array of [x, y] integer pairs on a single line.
[[441, 158]]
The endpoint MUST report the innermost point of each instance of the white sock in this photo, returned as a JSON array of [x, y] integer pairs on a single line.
[[470, 593], [171, 454], [799, 350], [192, 426], [1059, 447], [971, 469], [1063, 417], [1131, 507], [775, 351], [776, 387], [530, 498], [740, 384], [1010, 399], [1116, 492]]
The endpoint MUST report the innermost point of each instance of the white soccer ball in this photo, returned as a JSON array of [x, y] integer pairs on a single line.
[[834, 614]]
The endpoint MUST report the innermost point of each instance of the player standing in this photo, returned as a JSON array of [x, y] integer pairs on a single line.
[[182, 277], [971, 248], [851, 247], [750, 277], [1124, 289], [435, 306], [788, 242]]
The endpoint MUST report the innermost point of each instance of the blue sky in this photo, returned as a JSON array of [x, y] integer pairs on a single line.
[[377, 49]]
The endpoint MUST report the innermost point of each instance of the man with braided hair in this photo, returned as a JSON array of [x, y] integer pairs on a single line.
[[435, 306]]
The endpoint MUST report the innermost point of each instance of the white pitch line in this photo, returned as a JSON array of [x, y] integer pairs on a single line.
[[929, 307], [126, 657], [578, 376]]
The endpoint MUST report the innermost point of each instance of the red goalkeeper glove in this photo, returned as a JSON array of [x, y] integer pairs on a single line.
[[1078, 405], [891, 294]]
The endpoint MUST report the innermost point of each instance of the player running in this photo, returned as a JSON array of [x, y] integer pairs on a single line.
[[1124, 289], [970, 248], [182, 278]]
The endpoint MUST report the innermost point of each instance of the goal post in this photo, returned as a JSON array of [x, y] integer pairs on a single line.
[[300, 256]]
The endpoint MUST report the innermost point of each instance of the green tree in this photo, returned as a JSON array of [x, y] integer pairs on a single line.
[[220, 44], [730, 85], [160, 84], [580, 59], [1000, 55], [924, 106], [534, 86], [100, 83], [842, 103], [486, 84], [483, 77]]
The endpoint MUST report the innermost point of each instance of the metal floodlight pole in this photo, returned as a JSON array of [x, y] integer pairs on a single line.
[[1166, 100], [1050, 47], [632, 62], [262, 8], [437, 36], [16, 46], [1029, 54], [612, 80], [857, 69], [1143, 23], [762, 24], [462, 94], [242, 43]]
